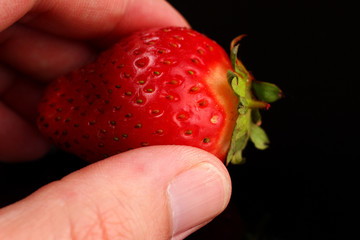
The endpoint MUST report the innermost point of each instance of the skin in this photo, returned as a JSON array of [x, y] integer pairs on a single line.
[[122, 197], [41, 40]]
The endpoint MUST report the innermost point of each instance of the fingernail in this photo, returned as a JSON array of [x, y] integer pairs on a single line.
[[197, 196]]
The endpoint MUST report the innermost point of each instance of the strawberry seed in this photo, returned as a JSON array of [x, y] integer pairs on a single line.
[[206, 140]]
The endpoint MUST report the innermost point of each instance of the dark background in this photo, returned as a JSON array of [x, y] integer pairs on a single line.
[[299, 188]]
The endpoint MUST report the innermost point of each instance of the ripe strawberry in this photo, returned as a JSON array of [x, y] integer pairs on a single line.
[[162, 86]]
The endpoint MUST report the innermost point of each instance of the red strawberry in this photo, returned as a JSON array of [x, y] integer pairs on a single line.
[[162, 86]]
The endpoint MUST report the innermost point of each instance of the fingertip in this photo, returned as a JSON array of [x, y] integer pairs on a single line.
[[198, 183], [111, 19], [142, 15], [145, 14]]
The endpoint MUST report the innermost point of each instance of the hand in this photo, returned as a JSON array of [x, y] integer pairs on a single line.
[[159, 192], [40, 40]]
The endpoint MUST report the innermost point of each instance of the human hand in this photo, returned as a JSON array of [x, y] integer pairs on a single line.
[[158, 192], [41, 40]]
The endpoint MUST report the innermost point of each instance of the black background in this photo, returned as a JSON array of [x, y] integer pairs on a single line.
[[299, 188]]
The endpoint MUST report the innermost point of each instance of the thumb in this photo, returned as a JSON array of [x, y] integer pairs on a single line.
[[160, 192]]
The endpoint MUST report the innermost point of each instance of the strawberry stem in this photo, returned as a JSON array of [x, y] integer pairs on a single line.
[[253, 95]]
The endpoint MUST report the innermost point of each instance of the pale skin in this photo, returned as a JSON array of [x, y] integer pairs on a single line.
[[122, 197]]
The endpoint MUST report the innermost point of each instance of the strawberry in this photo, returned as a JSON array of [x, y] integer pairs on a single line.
[[161, 86]]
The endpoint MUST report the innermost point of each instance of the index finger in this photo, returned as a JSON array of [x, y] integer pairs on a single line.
[[89, 19]]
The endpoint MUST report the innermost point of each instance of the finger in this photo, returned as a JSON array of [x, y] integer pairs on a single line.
[[45, 56], [89, 19], [6, 79], [13, 10], [20, 141], [19, 138], [157, 192], [19, 94], [23, 97], [41, 55]]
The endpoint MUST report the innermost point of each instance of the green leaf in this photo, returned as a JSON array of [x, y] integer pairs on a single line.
[[267, 92], [243, 106], [235, 155], [259, 137], [239, 139], [256, 116], [230, 76], [233, 55], [235, 61], [238, 84]]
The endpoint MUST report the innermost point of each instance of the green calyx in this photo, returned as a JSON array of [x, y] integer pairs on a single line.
[[253, 95]]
